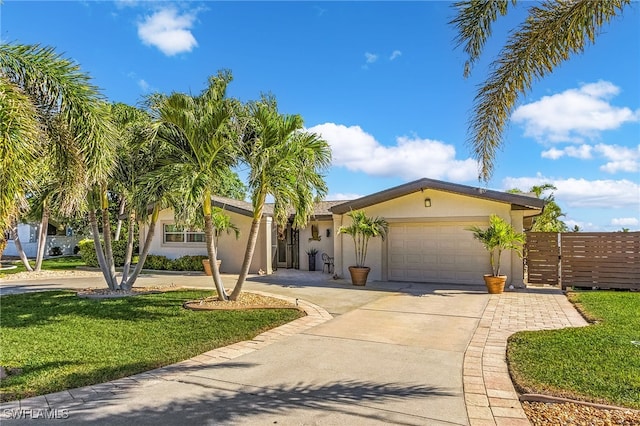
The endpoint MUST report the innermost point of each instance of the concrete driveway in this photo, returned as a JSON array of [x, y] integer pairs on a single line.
[[392, 354]]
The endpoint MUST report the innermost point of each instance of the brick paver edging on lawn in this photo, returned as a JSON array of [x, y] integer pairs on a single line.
[[489, 394], [74, 397]]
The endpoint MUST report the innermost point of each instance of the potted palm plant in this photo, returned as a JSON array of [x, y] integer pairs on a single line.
[[362, 229], [498, 237], [221, 224], [312, 252]]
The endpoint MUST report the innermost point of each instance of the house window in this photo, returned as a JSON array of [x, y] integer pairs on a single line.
[[178, 234]]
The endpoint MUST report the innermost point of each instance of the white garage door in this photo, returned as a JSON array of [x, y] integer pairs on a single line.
[[436, 252]]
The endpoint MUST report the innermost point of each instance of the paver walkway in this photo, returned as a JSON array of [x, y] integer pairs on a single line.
[[489, 393]]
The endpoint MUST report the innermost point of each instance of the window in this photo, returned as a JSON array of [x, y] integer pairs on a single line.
[[178, 234]]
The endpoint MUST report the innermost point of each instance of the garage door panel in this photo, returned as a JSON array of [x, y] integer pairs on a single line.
[[435, 253]]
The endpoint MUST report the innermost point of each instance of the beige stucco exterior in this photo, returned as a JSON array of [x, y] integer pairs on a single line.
[[446, 208], [425, 243], [230, 250]]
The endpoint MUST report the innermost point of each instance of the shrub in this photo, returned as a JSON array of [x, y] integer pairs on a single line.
[[189, 263], [157, 262], [88, 252], [55, 251]]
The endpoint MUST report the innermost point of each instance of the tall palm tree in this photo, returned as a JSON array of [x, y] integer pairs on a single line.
[[552, 32], [286, 163], [70, 116], [200, 152]]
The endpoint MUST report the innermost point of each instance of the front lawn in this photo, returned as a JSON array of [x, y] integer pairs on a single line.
[[598, 363], [56, 263], [59, 341]]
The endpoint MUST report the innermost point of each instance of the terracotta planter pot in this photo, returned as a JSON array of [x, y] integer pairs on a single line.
[[207, 267], [495, 285], [359, 274]]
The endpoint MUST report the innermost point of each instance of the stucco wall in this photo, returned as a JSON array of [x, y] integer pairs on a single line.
[[325, 245], [230, 250], [445, 206]]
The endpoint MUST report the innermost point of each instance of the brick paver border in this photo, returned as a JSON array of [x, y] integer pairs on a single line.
[[489, 394]]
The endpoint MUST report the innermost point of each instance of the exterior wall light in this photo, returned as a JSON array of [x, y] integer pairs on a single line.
[[427, 202], [328, 232]]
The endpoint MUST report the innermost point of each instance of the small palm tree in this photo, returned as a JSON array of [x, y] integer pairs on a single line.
[[222, 224], [499, 236], [362, 229]]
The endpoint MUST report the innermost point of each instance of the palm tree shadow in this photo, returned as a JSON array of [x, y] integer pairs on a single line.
[[356, 399]]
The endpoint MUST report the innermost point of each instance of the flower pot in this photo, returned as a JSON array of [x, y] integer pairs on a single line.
[[359, 274], [207, 267], [312, 262], [495, 285]]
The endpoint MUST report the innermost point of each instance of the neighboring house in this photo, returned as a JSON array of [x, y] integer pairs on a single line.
[[28, 234], [428, 239]]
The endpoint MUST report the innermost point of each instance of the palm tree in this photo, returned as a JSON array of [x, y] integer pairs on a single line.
[[68, 123], [549, 220], [286, 163], [362, 229], [550, 35], [196, 130]]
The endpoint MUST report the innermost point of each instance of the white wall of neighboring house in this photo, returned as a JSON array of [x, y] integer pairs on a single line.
[[230, 250], [28, 234]]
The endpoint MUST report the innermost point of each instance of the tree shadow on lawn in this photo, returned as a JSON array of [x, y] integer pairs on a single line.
[[38, 308], [359, 401]]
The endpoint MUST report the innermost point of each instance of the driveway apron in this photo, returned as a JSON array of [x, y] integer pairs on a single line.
[[392, 354]]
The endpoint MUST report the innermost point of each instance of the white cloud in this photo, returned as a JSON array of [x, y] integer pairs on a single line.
[[625, 221], [575, 114], [169, 31], [338, 196], [411, 157], [395, 54], [144, 85], [371, 57], [622, 158], [583, 152], [573, 192]]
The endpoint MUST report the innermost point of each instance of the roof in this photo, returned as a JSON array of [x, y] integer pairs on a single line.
[[517, 201], [238, 206]]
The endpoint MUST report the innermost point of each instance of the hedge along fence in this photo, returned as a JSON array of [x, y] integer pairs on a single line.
[[161, 263]]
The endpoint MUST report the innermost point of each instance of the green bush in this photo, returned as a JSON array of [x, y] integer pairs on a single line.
[[154, 261], [160, 263], [189, 263], [88, 252]]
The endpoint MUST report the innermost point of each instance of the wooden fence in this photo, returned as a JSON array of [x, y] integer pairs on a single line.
[[584, 259]]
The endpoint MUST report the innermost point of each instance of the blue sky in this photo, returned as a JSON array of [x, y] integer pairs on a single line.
[[381, 81]]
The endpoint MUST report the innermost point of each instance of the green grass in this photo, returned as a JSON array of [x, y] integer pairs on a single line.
[[598, 363], [58, 263], [60, 341]]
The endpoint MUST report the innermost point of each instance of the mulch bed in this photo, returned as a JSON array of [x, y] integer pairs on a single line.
[[543, 414], [245, 301]]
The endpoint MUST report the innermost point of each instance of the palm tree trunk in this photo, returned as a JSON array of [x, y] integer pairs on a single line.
[[129, 254], [93, 221], [106, 235], [251, 247], [19, 249], [120, 213], [145, 250], [211, 250], [42, 236]]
